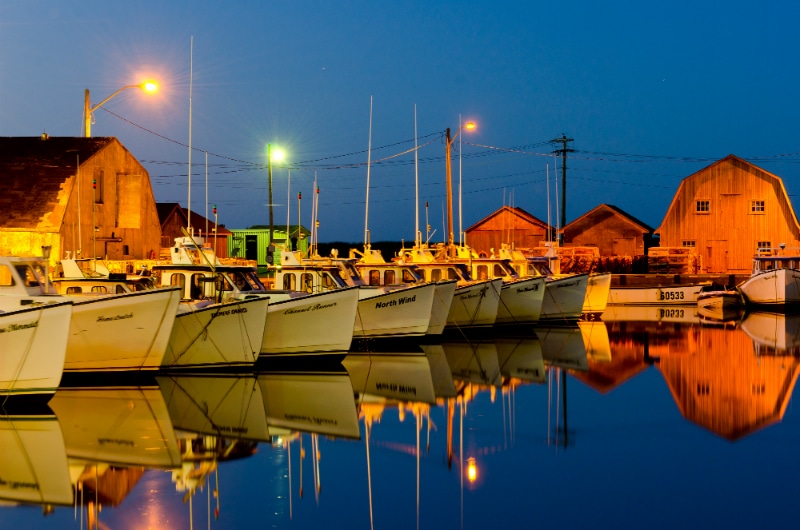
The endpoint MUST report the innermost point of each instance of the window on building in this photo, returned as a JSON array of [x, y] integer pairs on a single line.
[[764, 244], [689, 243], [97, 185], [757, 207], [703, 206], [125, 250]]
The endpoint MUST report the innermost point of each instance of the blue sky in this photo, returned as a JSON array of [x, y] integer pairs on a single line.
[[649, 93]]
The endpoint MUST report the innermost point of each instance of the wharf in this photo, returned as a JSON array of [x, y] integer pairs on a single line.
[[663, 280]]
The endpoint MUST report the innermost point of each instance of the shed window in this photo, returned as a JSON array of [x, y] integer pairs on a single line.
[[764, 244], [703, 206], [689, 243], [757, 207]]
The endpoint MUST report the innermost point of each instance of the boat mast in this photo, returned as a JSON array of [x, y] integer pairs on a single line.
[[189, 199], [417, 233], [369, 159]]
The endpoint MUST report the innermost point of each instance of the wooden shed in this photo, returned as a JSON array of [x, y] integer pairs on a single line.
[[86, 196], [613, 231], [174, 219], [727, 211], [508, 225]]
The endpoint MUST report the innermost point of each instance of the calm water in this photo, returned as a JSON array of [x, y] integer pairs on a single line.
[[649, 418]]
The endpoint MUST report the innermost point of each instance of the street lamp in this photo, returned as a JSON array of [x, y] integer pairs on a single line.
[[88, 108], [277, 155], [470, 125]]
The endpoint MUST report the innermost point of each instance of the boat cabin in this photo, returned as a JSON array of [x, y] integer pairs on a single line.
[[776, 258]]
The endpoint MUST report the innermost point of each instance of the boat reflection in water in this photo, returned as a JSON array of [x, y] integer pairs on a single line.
[[33, 466], [777, 333], [376, 416]]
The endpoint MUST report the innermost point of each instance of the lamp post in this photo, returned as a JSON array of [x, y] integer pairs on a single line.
[[88, 108], [278, 155], [448, 168]]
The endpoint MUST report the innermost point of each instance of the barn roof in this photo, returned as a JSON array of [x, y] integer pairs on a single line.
[[168, 209], [33, 175], [644, 227], [515, 211], [733, 160]]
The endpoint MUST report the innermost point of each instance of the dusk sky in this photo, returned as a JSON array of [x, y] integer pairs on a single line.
[[650, 93]]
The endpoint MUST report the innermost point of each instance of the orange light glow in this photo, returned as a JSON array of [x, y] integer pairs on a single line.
[[470, 125], [472, 470]]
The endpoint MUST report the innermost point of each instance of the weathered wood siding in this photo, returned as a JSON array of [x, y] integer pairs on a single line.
[[122, 207], [506, 227], [611, 232], [727, 235]]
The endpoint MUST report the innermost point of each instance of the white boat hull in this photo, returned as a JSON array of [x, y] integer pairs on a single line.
[[316, 323], [398, 313], [564, 297], [776, 287], [33, 347], [597, 292], [521, 301], [655, 296], [121, 332], [475, 305], [218, 335], [442, 301]]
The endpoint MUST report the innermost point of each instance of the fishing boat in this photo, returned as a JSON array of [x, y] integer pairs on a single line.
[[475, 302], [775, 279], [720, 304], [383, 312], [295, 322], [374, 270], [33, 347], [113, 332], [565, 295], [656, 295]]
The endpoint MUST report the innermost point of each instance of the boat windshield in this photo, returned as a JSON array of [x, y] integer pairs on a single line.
[[245, 280], [31, 273], [331, 279], [541, 267]]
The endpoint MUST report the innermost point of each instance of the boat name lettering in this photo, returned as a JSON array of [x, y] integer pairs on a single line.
[[17, 327], [394, 387], [473, 295], [671, 313], [314, 307], [671, 295], [399, 301], [229, 312], [568, 284], [14, 485], [527, 289], [115, 317], [227, 429], [103, 441], [310, 419]]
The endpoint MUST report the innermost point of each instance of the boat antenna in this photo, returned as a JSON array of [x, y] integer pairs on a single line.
[[287, 241]]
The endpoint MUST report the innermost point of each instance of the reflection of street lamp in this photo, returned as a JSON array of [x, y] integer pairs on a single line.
[[278, 156], [470, 125], [88, 108]]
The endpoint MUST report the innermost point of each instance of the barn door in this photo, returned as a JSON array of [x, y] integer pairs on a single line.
[[624, 246], [716, 258]]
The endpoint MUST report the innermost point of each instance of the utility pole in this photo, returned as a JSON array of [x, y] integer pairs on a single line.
[[563, 151]]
